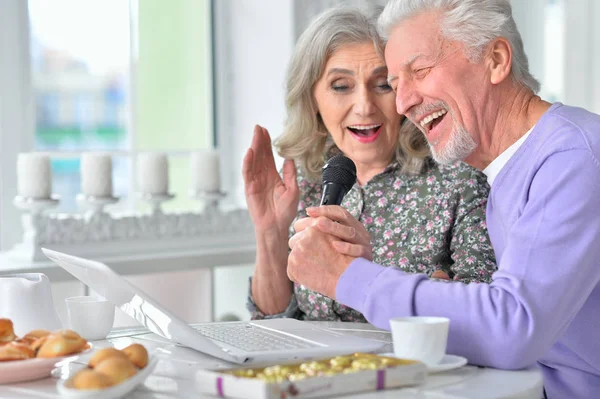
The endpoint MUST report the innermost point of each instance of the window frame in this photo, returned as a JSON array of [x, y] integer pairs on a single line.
[[16, 111], [19, 115]]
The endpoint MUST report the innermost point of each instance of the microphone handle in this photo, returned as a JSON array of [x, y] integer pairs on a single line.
[[333, 193]]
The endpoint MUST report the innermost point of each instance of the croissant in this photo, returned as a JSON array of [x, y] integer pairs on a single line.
[[34, 339], [90, 379], [104, 354], [118, 369], [37, 334], [137, 354], [15, 351], [61, 343], [7, 333], [37, 344]]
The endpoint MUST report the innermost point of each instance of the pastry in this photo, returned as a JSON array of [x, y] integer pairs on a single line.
[[7, 332], [37, 334], [34, 339], [61, 343], [90, 379], [37, 344], [103, 354], [137, 354], [117, 368], [29, 341], [15, 351]]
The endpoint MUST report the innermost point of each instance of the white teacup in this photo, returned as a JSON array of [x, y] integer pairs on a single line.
[[420, 338], [91, 317]]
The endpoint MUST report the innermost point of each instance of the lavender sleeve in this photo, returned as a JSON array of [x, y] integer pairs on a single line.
[[548, 267]]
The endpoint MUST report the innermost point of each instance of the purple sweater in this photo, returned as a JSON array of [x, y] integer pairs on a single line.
[[543, 305]]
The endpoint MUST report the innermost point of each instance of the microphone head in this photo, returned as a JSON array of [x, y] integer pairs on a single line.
[[341, 170]]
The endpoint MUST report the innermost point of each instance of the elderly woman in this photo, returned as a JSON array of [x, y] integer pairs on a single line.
[[421, 217]]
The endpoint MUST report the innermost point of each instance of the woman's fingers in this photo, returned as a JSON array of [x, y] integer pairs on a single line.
[[289, 174], [333, 212], [354, 250], [247, 166], [341, 231]]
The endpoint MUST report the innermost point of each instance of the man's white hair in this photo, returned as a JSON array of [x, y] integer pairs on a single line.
[[475, 23]]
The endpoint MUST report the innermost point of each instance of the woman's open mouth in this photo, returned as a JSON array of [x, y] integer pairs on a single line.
[[365, 133]]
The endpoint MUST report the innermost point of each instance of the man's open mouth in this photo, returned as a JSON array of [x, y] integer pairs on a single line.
[[433, 119]]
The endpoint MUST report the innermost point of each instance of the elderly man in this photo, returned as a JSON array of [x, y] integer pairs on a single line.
[[461, 75]]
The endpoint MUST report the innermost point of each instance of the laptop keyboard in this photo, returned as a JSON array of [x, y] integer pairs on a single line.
[[252, 338]]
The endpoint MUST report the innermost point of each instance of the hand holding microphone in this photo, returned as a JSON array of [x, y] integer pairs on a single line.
[[339, 175]]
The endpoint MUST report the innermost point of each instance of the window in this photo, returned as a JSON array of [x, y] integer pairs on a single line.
[[104, 75], [80, 54]]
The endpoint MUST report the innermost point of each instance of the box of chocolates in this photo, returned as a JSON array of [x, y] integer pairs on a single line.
[[311, 379]]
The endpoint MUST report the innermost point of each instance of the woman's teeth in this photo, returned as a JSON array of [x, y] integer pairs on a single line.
[[430, 118], [365, 130]]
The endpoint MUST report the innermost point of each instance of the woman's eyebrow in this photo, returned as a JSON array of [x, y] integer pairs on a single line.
[[379, 70], [340, 70]]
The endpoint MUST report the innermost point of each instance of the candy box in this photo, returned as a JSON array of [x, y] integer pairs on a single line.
[[311, 379]]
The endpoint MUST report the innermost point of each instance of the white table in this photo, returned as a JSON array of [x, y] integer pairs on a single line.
[[174, 375]]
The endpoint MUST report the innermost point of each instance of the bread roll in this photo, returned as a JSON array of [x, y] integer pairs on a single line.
[[7, 333], [61, 343], [15, 351], [26, 341], [90, 379], [37, 344], [34, 339], [137, 354], [103, 354], [117, 368], [37, 334]]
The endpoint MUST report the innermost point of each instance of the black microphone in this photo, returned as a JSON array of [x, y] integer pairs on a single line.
[[339, 175]]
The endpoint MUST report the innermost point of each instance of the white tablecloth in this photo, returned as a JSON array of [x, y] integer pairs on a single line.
[[174, 375]]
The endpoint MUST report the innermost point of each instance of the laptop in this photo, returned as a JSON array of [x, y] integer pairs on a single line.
[[260, 341]]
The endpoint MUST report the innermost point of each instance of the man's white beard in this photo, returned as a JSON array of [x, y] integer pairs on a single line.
[[459, 146]]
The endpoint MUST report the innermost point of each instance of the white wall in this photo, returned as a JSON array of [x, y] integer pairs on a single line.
[[253, 43], [254, 40], [528, 15]]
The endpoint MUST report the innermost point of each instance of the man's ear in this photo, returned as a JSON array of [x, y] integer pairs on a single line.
[[499, 60]]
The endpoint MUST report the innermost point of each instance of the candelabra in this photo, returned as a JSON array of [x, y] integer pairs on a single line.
[[95, 205], [36, 206], [155, 200], [210, 199]]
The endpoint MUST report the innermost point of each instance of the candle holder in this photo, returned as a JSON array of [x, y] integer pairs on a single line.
[[36, 206], [155, 200], [95, 204], [209, 198]]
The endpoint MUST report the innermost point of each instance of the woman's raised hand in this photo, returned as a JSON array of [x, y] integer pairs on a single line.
[[272, 201]]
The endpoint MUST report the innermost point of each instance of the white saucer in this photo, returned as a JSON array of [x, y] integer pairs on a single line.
[[448, 362]]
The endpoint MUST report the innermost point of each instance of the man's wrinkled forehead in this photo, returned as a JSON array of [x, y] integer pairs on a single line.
[[411, 42]]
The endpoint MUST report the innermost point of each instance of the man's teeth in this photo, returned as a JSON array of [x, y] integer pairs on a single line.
[[431, 117], [364, 127]]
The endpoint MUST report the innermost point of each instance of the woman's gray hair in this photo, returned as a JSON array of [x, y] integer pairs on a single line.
[[475, 23], [305, 138]]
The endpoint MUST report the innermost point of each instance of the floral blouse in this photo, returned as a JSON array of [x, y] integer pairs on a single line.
[[420, 224]]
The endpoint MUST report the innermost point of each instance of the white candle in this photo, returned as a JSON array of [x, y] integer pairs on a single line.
[[206, 176], [153, 173], [96, 175], [34, 177]]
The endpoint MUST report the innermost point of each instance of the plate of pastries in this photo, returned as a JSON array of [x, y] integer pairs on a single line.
[[37, 353], [110, 373]]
